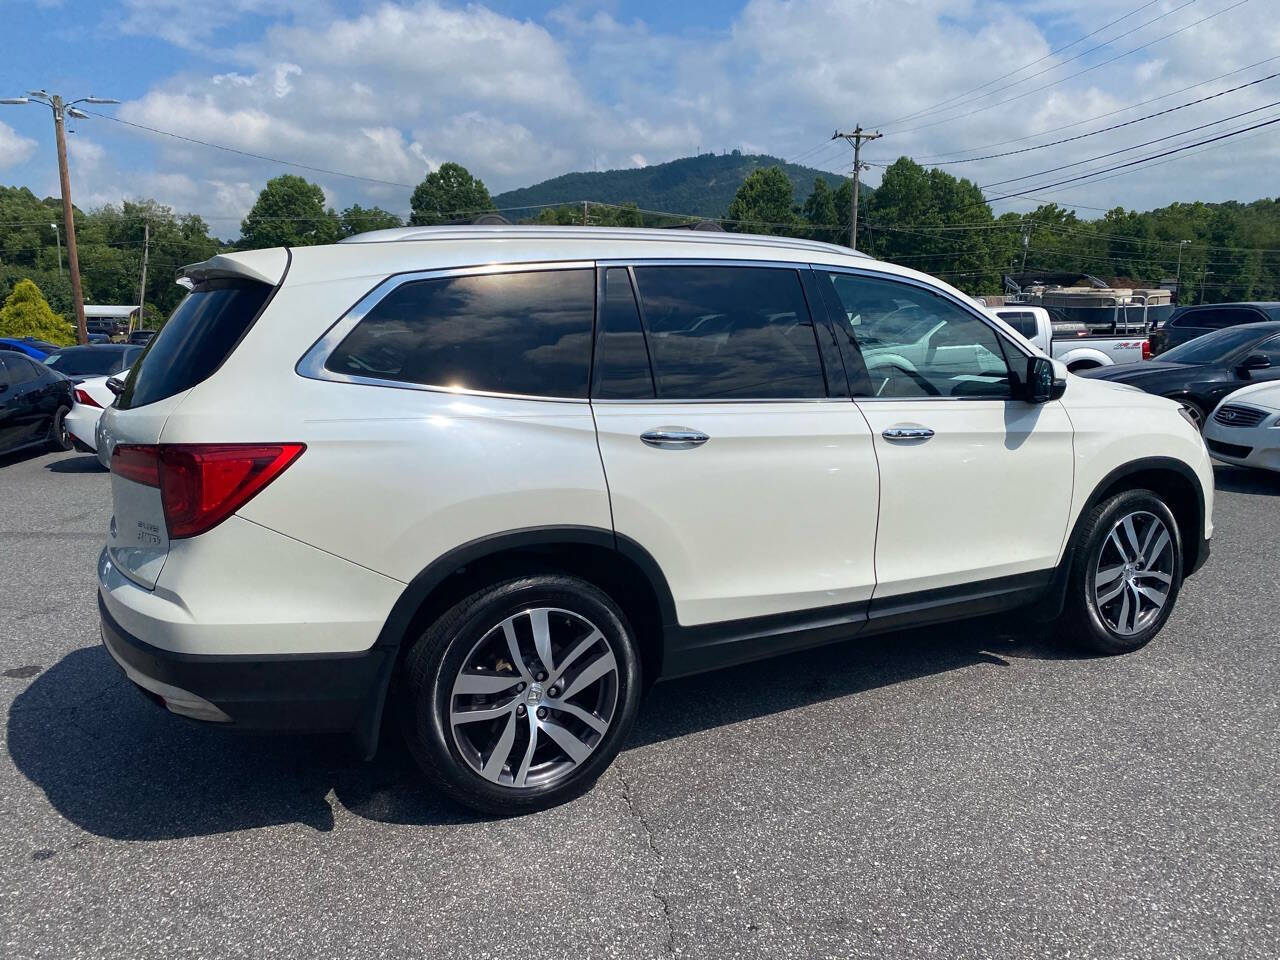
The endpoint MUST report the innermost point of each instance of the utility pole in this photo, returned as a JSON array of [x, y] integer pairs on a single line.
[[57, 238], [584, 213], [1177, 283], [1026, 242], [1204, 273], [61, 110], [142, 286], [856, 139]]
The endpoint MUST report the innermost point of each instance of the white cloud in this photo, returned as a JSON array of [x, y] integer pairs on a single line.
[[14, 148], [393, 91]]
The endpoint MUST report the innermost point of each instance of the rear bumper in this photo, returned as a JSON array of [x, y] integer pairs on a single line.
[[290, 692]]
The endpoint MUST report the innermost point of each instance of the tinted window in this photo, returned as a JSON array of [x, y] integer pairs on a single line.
[[1270, 349], [729, 332], [21, 370], [201, 333], [1023, 322], [522, 333], [917, 344], [4, 370], [1216, 319], [1212, 347], [622, 359], [87, 361]]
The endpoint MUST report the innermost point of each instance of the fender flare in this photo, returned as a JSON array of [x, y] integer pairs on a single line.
[[1086, 353]]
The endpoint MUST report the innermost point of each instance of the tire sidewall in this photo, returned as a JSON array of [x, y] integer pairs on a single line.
[[59, 436], [1119, 506], [429, 708]]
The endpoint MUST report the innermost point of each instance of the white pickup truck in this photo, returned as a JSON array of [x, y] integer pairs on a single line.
[[1073, 344]]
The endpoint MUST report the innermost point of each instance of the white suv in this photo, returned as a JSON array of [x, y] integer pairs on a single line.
[[514, 475]]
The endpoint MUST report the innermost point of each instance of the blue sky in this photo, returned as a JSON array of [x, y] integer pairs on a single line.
[[522, 91]]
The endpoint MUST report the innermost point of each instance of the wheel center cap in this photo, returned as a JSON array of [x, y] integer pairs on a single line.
[[534, 694]]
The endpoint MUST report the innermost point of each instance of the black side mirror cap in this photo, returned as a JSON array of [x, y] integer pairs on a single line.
[[115, 385], [1254, 361], [1042, 383]]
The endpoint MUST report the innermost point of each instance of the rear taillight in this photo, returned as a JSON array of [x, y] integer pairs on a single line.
[[1146, 349], [84, 398], [201, 484]]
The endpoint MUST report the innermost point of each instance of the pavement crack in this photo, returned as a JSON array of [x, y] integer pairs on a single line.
[[633, 808]]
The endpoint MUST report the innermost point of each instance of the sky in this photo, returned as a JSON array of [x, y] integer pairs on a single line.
[[388, 90]]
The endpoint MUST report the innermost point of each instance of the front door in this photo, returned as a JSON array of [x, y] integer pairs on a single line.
[[726, 460], [975, 486]]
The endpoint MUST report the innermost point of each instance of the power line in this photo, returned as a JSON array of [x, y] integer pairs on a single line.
[[246, 153], [1096, 66], [961, 96], [1114, 126], [1136, 146], [1100, 116], [1142, 160]]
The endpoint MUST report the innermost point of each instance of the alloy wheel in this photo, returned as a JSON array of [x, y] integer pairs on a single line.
[[1134, 573], [1194, 413], [534, 697]]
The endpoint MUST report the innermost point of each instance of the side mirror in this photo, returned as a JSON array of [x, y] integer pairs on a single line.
[[1254, 361], [1042, 383], [115, 385]]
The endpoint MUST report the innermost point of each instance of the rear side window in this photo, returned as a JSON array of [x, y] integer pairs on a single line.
[[525, 333], [723, 333], [21, 370], [622, 359], [1218, 319], [200, 334], [1022, 321]]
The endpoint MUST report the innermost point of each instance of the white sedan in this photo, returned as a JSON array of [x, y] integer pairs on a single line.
[[1245, 427], [92, 397]]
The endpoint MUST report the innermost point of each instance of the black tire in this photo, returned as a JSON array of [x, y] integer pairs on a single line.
[[1089, 624], [59, 436], [438, 657]]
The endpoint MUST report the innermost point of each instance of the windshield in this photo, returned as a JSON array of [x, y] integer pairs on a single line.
[[89, 363], [1213, 347]]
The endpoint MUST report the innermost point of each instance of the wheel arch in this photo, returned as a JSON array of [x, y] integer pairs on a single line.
[[616, 564]]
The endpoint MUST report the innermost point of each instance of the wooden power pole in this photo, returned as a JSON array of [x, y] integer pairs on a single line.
[[68, 218], [856, 139], [142, 285]]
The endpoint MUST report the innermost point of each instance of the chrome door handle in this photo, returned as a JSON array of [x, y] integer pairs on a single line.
[[674, 438], [907, 433]]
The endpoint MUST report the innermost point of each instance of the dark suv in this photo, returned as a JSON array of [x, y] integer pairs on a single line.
[[1191, 322]]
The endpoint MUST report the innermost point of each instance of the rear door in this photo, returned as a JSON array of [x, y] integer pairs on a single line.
[[30, 399], [8, 406], [198, 337], [974, 484], [753, 487]]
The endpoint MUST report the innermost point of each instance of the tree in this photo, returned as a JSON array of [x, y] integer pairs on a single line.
[[763, 204], [820, 211], [26, 313], [450, 193], [358, 219], [289, 212]]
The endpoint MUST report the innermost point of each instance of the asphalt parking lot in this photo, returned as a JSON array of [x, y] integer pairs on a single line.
[[961, 792]]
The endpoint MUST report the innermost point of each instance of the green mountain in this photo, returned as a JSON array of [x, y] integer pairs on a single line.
[[702, 185]]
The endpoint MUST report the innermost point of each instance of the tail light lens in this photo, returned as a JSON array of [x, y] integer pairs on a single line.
[[1146, 349], [83, 397], [201, 484]]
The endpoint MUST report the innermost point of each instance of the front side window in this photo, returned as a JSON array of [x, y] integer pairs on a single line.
[[525, 333], [918, 344], [729, 332]]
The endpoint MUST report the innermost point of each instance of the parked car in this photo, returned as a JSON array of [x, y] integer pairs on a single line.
[[28, 346], [1187, 323], [34, 401], [141, 337], [98, 338], [92, 396], [1078, 349], [1199, 373], [522, 492], [93, 360], [1245, 427]]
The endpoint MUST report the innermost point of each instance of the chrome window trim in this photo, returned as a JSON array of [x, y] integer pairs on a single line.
[[312, 363], [945, 295]]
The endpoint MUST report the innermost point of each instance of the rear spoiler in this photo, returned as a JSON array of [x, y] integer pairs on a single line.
[[265, 266]]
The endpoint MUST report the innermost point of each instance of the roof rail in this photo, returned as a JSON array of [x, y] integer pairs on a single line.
[[544, 232]]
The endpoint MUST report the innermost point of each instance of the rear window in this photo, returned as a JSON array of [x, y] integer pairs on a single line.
[[200, 335], [524, 333], [88, 361]]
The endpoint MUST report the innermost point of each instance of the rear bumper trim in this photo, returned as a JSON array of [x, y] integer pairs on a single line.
[[294, 692]]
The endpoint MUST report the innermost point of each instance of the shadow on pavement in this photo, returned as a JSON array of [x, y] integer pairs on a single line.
[[1244, 480], [117, 766], [81, 463]]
